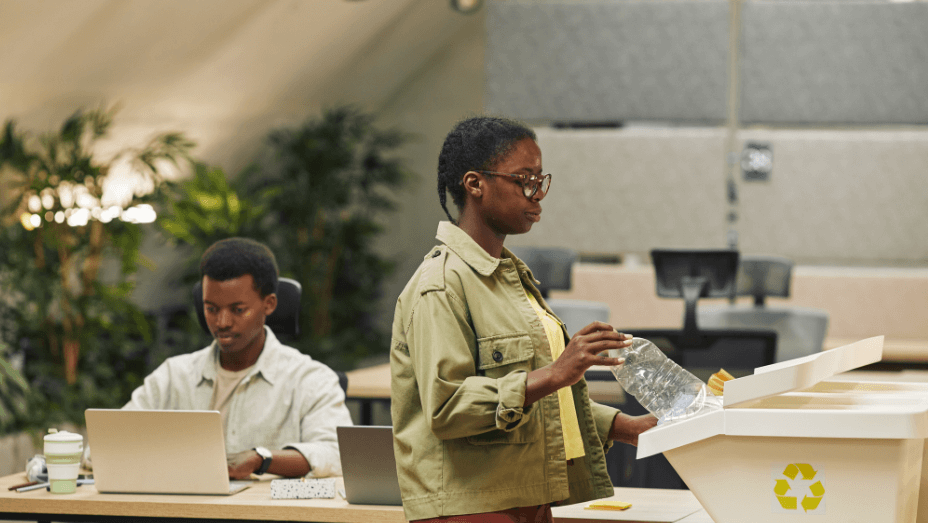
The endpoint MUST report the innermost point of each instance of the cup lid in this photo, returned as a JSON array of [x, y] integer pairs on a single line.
[[63, 436]]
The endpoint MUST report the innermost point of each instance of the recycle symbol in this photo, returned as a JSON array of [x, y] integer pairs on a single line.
[[810, 499]]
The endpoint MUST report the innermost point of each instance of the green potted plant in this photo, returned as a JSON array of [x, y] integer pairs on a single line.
[[325, 186], [83, 339]]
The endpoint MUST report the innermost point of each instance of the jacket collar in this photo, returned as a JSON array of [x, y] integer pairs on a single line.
[[265, 366], [464, 246], [473, 254]]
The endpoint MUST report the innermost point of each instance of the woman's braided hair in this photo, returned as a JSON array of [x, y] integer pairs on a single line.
[[475, 144]]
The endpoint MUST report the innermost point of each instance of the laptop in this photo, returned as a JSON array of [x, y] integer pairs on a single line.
[[159, 452], [368, 465]]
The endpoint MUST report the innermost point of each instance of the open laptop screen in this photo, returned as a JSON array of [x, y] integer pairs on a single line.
[[158, 451]]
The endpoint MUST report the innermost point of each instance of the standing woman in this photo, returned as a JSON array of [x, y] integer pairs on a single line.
[[492, 420]]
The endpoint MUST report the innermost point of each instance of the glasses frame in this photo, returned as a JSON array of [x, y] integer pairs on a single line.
[[525, 179]]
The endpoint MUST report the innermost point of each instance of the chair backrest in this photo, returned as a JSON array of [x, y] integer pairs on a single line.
[[284, 321], [552, 266], [762, 276], [342, 380], [800, 331]]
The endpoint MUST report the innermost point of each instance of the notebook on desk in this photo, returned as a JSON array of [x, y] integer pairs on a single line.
[[368, 465], [159, 452]]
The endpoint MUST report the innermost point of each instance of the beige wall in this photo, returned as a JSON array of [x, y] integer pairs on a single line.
[[630, 190], [447, 89]]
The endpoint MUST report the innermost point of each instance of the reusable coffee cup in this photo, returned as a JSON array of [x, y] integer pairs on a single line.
[[63, 452]]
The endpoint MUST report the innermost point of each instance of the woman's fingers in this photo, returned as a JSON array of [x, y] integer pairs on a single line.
[[594, 351], [589, 347], [595, 326], [609, 362], [605, 340], [600, 330]]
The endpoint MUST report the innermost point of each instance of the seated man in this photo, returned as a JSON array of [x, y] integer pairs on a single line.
[[279, 407]]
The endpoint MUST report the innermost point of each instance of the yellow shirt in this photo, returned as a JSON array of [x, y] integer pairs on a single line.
[[573, 442]]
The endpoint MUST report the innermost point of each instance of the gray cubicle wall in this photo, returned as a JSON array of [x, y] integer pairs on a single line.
[[835, 88], [593, 61], [625, 190], [834, 62], [836, 195]]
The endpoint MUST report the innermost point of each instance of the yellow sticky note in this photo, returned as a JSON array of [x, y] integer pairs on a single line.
[[608, 505]]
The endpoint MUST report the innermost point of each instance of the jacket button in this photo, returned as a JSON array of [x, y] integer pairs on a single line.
[[436, 254], [497, 356]]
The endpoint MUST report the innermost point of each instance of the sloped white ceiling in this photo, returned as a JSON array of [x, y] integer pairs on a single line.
[[223, 71]]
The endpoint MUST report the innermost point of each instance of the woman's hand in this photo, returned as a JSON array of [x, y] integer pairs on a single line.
[[581, 353], [626, 428]]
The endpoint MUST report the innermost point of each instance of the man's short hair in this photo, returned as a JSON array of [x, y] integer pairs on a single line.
[[234, 257]]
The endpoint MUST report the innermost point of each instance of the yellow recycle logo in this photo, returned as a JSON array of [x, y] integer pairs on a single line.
[[810, 499]]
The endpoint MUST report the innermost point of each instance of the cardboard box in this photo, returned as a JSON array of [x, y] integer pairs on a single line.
[[789, 446]]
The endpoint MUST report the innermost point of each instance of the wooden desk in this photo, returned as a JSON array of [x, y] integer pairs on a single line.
[[368, 386], [255, 504], [369, 382], [251, 504]]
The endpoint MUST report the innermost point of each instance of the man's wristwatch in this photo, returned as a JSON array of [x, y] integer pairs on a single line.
[[266, 458]]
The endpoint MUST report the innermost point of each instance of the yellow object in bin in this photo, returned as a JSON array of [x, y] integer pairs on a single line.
[[717, 381], [608, 505]]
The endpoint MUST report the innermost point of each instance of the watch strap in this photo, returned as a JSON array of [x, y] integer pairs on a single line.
[[266, 459]]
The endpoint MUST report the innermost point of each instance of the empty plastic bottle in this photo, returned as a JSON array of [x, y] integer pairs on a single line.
[[666, 389]]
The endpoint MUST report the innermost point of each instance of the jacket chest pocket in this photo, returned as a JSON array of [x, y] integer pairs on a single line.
[[505, 353], [498, 356]]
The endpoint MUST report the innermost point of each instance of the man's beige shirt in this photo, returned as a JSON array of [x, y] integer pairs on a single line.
[[287, 400]]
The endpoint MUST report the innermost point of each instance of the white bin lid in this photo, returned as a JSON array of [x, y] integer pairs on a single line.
[[902, 414], [802, 373]]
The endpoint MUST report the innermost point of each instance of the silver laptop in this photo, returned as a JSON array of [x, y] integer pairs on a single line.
[[159, 452], [368, 465]]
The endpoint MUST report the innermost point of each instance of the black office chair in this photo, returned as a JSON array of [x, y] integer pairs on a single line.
[[762, 276], [551, 266], [284, 321], [705, 273], [800, 331]]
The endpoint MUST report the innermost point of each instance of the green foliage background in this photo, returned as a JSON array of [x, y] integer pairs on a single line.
[[83, 340]]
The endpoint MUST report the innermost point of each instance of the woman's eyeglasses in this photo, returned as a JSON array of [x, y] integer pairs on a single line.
[[531, 183]]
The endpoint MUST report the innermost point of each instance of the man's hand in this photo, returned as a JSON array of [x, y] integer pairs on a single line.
[[241, 465], [626, 428]]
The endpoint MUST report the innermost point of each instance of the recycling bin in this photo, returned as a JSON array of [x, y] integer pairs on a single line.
[[791, 446]]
